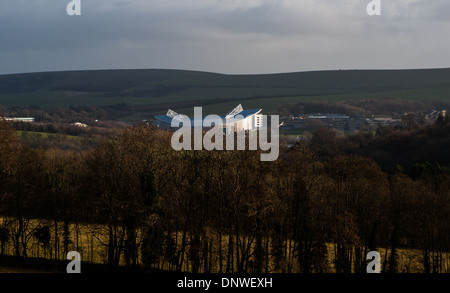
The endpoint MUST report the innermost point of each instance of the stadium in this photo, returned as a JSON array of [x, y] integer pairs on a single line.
[[236, 120]]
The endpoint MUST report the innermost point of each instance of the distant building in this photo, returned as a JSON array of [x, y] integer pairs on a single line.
[[78, 124], [18, 119], [337, 121], [379, 120], [329, 117]]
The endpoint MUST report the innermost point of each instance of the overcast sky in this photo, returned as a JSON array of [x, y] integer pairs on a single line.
[[224, 36]]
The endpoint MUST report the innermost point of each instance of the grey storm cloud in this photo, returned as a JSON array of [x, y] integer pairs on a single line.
[[228, 36]]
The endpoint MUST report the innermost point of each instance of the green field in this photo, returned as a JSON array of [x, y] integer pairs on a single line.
[[182, 89]]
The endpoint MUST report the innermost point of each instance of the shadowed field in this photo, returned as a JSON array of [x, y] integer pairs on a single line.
[[158, 88]]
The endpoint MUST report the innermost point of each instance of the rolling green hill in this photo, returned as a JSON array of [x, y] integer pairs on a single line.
[[160, 89]]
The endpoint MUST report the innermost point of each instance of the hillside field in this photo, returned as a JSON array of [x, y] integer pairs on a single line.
[[156, 90]]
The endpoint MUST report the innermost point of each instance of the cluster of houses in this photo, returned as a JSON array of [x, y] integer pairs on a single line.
[[341, 122]]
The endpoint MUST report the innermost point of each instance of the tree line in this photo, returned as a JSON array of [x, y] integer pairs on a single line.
[[223, 211]]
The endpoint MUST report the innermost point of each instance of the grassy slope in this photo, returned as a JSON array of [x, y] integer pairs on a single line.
[[268, 91]]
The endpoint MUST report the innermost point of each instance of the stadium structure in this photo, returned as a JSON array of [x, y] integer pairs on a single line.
[[235, 121]]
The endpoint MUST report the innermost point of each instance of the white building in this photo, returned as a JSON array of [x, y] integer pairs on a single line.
[[79, 124], [18, 119]]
